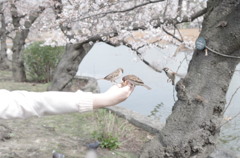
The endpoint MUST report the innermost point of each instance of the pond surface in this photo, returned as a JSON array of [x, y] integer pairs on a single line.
[[103, 59]]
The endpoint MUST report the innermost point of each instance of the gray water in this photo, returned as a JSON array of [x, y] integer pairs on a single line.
[[103, 59]]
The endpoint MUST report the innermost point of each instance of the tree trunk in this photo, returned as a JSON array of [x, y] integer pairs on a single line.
[[194, 125], [68, 66], [18, 69], [21, 35], [4, 64]]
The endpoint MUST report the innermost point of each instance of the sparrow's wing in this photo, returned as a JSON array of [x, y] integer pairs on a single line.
[[112, 75], [137, 80]]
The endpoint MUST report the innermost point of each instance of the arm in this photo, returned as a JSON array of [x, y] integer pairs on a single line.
[[23, 104]]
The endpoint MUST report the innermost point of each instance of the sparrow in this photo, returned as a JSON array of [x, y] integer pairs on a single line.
[[136, 81], [170, 74], [112, 77], [57, 155], [93, 145]]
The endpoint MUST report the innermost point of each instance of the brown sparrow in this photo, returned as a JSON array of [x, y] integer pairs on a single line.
[[132, 79], [112, 77], [170, 74]]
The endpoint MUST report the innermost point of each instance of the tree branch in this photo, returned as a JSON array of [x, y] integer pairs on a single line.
[[140, 56], [170, 34], [193, 16], [174, 21], [230, 101], [119, 11]]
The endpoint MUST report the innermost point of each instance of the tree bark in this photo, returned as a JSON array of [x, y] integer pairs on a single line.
[[18, 69], [68, 66], [21, 35], [4, 64], [194, 125]]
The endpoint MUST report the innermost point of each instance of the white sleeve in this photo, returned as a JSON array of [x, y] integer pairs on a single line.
[[23, 104]]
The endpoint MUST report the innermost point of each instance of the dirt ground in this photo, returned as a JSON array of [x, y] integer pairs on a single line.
[[67, 134]]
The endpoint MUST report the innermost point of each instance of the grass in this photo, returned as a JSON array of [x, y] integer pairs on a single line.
[[6, 82], [111, 131]]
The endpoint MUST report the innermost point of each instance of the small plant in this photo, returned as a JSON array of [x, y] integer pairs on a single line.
[[106, 140], [155, 112], [110, 130], [40, 61]]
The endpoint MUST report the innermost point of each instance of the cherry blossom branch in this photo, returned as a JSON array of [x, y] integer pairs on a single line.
[[173, 35], [140, 56], [119, 11], [194, 16], [175, 21]]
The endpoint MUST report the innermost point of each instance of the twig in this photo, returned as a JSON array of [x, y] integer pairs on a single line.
[[229, 120], [181, 62], [174, 94], [227, 108], [193, 16], [231, 99], [118, 11], [179, 32], [180, 40], [176, 73], [140, 56], [224, 55]]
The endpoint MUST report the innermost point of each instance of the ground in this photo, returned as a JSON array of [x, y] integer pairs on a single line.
[[68, 134]]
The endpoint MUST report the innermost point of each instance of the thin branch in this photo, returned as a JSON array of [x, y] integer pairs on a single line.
[[174, 99], [165, 8], [119, 11], [224, 55], [140, 57], [227, 108], [179, 32], [231, 99], [10, 37], [229, 120], [170, 34], [193, 16], [185, 19], [185, 58], [179, 9]]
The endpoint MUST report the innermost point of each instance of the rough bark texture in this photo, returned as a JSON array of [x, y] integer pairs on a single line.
[[4, 63], [192, 128], [19, 40], [68, 66]]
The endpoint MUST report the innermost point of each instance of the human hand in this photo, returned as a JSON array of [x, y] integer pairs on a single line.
[[114, 95]]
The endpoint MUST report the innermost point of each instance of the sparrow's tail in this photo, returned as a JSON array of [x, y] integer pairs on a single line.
[[149, 88]]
